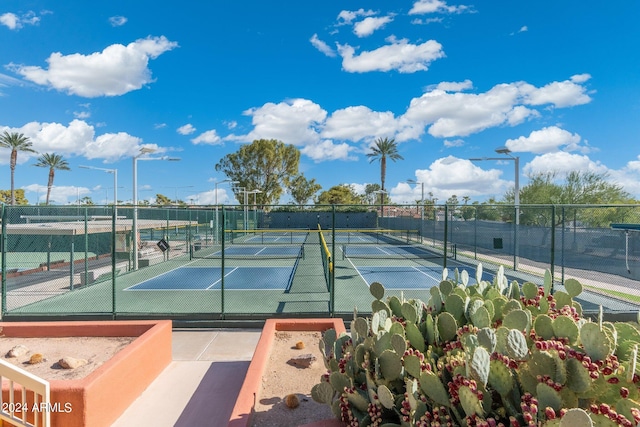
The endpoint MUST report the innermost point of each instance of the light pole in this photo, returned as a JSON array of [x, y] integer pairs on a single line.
[[115, 186], [134, 225], [215, 195], [382, 193], [516, 195], [255, 207], [413, 181]]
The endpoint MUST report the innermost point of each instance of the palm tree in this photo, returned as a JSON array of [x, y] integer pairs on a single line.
[[16, 142], [53, 162], [384, 149]]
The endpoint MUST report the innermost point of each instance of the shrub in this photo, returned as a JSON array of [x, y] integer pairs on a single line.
[[486, 354]]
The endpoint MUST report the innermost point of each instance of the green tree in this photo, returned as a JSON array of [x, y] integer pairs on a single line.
[[267, 165], [162, 200], [5, 197], [371, 195], [53, 162], [302, 189], [15, 142], [86, 201], [384, 149], [342, 194]]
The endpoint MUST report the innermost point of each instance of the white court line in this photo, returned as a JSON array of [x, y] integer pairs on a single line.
[[219, 280]]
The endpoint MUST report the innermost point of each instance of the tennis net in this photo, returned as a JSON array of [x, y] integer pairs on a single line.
[[211, 251], [325, 253], [271, 236]]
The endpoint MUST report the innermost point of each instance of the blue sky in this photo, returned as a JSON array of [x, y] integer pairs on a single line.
[[556, 82]]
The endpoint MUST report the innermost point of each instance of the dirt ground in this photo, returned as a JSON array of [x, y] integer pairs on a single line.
[[282, 378], [96, 350]]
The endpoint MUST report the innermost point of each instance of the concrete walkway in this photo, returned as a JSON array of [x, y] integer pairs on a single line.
[[200, 386]]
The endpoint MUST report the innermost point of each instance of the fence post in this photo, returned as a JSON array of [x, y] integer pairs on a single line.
[[444, 238], [3, 249], [222, 241], [553, 245], [114, 233], [332, 282], [86, 246]]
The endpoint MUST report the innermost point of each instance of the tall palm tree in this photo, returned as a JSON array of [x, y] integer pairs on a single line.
[[16, 142], [384, 149], [53, 162]]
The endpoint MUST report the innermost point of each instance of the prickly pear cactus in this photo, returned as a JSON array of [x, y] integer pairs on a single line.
[[482, 354]]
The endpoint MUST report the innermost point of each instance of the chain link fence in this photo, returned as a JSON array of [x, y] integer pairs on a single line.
[[208, 263]]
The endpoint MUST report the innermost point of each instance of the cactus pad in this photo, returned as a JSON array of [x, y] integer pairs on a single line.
[[390, 365], [470, 402], [547, 396], [487, 339], [516, 345], [530, 290], [573, 287], [377, 290], [415, 337], [578, 378], [595, 341], [576, 417], [447, 326], [431, 386], [500, 377], [385, 396], [398, 343], [339, 381], [517, 319], [544, 326], [412, 365], [565, 327], [481, 317], [479, 366], [322, 393]]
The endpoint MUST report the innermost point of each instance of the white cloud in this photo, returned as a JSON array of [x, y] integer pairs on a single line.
[[448, 176], [359, 123], [81, 115], [116, 70], [567, 93], [293, 122], [322, 46], [421, 7], [345, 17], [76, 139], [60, 195], [328, 150], [455, 86], [369, 25], [117, 21], [159, 126], [562, 163], [187, 129], [523, 29], [209, 137], [15, 22], [399, 55], [453, 143], [449, 114], [231, 124], [548, 139]]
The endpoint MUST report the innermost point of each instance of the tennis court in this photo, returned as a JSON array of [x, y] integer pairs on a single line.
[[209, 278]]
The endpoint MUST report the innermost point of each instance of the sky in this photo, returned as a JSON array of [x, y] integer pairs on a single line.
[[556, 82]]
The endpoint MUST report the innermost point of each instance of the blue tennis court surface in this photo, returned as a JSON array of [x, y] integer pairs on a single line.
[[209, 278], [410, 277], [378, 251]]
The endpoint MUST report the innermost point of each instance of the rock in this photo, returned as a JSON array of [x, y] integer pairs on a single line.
[[69, 362], [292, 401], [17, 351], [299, 345], [36, 358], [303, 361]]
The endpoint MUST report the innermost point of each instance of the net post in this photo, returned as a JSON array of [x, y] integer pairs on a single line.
[[444, 238], [332, 292]]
